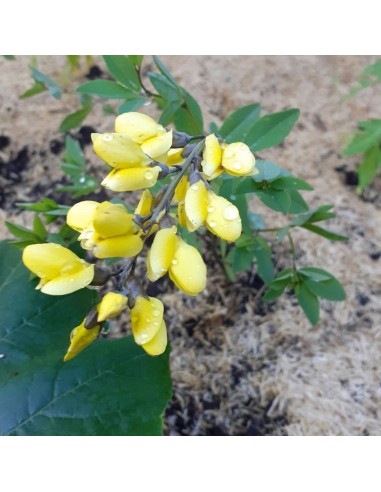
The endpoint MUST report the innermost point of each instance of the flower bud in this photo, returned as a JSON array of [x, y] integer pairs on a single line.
[[80, 338], [136, 178], [196, 203], [212, 155], [111, 305]]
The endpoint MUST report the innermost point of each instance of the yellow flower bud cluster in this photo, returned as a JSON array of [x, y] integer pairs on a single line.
[[138, 140]]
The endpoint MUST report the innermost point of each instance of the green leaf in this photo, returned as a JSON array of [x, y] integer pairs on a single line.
[[168, 112], [136, 59], [52, 86], [111, 388], [317, 215], [369, 167], [73, 152], [36, 88], [298, 204], [165, 88], [327, 288], [265, 265], [289, 183], [280, 201], [271, 129], [39, 228], [104, 88], [278, 285], [268, 171], [123, 70], [9, 57], [73, 120], [188, 118], [164, 70], [368, 136], [238, 124], [131, 104], [241, 259], [308, 302], [73, 61], [21, 232], [323, 232]]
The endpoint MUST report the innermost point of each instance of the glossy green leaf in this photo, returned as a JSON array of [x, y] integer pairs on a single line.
[[111, 388], [73, 152], [168, 112], [238, 124], [163, 69], [268, 171], [136, 59], [298, 204], [104, 88], [290, 183], [74, 120], [21, 231], [271, 129], [39, 228], [188, 118], [308, 302], [280, 201], [123, 70]]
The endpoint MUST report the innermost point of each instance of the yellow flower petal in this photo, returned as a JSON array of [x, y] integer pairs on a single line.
[[188, 270], [69, 282], [215, 175], [173, 157], [146, 319], [80, 216], [138, 126], [156, 146], [136, 178], [212, 155], [118, 247], [237, 158], [161, 253], [181, 189], [111, 305], [196, 204], [158, 343], [60, 270], [80, 339], [112, 219], [145, 204], [223, 218], [118, 150]]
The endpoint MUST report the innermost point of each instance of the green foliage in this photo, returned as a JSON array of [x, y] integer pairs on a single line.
[[42, 83], [75, 166], [75, 119], [367, 139], [112, 388]]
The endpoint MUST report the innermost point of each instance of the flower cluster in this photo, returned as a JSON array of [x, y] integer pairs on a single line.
[[140, 153]]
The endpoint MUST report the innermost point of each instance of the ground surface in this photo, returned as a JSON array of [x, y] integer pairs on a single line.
[[241, 367]]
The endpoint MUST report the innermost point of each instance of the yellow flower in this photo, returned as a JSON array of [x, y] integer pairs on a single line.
[[196, 204], [235, 159], [107, 229], [80, 338], [169, 253], [223, 218], [148, 326], [135, 178], [145, 204], [212, 155], [119, 151], [142, 129], [60, 270], [238, 160], [111, 305]]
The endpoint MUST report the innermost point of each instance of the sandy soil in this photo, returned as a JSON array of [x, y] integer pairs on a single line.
[[241, 367]]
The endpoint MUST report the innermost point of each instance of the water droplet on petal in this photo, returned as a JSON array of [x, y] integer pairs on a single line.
[[148, 320], [174, 261], [148, 175], [107, 137], [156, 323], [228, 153], [212, 224], [156, 312], [211, 209], [230, 212], [237, 165], [194, 187], [71, 280], [143, 336]]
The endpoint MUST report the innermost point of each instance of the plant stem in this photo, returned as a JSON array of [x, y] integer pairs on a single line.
[[167, 197], [293, 250]]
